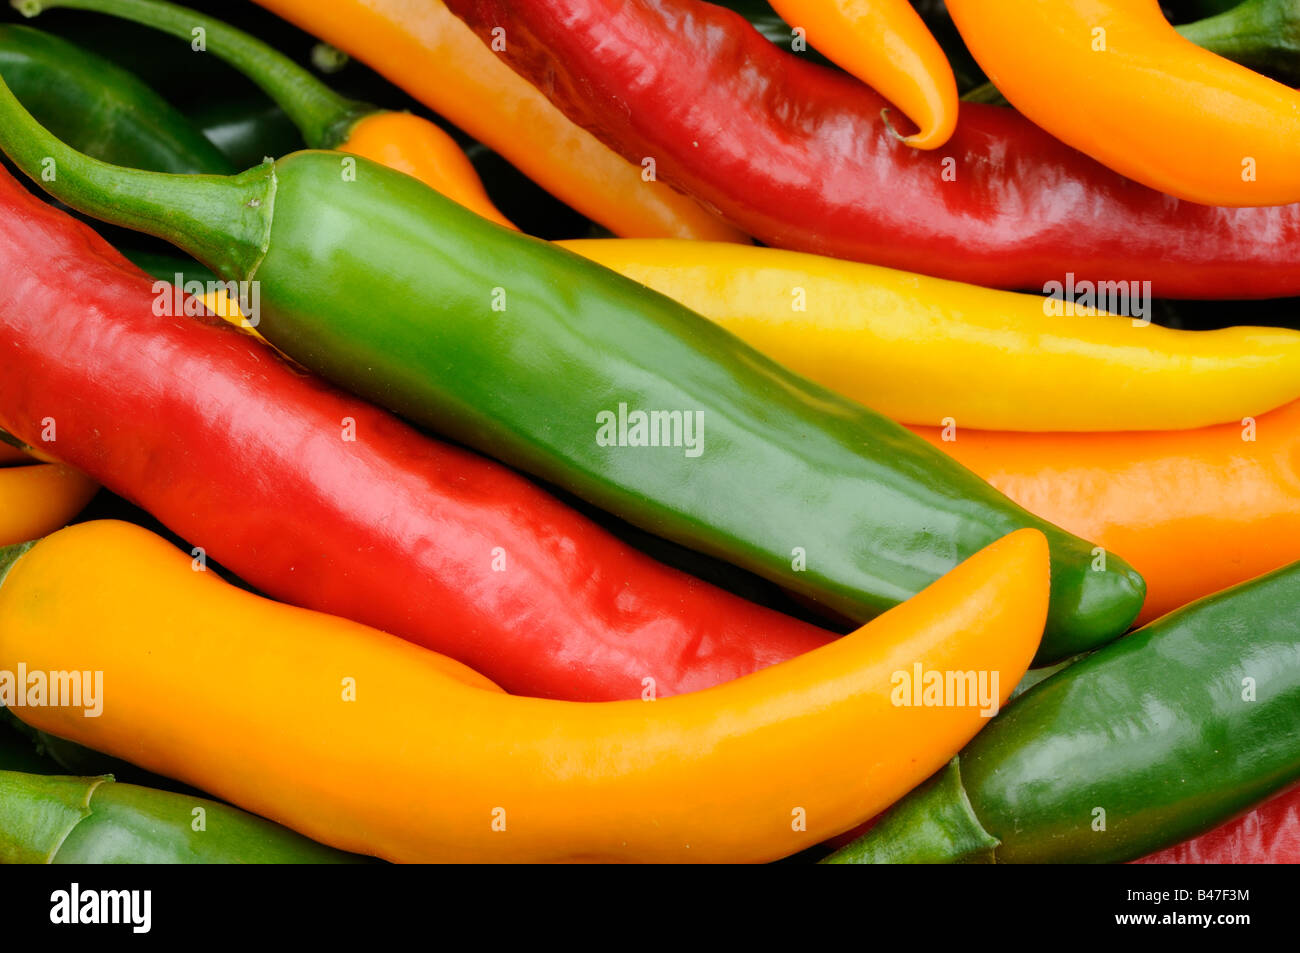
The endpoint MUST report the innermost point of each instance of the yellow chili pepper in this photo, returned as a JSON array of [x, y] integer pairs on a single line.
[[40, 498], [1115, 80], [422, 48], [887, 45], [362, 741], [921, 349]]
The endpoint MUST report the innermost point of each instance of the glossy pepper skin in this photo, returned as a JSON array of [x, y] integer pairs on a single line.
[[243, 455], [408, 143], [101, 108], [798, 156], [1261, 34], [1170, 731], [419, 46], [1195, 511], [1270, 834], [1117, 81], [790, 468], [246, 129], [920, 350], [48, 819], [887, 45], [713, 776], [40, 498]]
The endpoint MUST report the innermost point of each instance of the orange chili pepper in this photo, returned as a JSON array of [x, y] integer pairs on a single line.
[[38, 499], [887, 45], [1194, 511], [422, 48], [417, 147], [362, 741], [1114, 79]]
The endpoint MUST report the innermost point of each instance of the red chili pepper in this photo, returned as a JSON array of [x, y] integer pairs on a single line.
[[798, 155], [1270, 834], [240, 454]]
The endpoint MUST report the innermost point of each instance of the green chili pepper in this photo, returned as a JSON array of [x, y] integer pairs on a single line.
[[48, 819], [166, 267], [100, 108], [1261, 34], [542, 359], [247, 130], [1148, 741]]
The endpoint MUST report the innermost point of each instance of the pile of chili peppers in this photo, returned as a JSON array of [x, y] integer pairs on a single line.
[[671, 431]]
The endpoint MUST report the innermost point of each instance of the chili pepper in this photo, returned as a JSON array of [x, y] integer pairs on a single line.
[[775, 30], [249, 459], [38, 499], [100, 107], [181, 271], [935, 16], [799, 157], [67, 820], [1270, 834], [887, 45], [921, 350], [247, 130], [408, 143], [1151, 739], [1117, 82], [566, 780], [423, 49], [346, 271], [1196, 511], [1261, 34]]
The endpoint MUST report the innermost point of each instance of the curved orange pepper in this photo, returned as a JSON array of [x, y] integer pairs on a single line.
[[417, 147], [1115, 80], [887, 45], [38, 499], [249, 699], [421, 47], [1194, 511]]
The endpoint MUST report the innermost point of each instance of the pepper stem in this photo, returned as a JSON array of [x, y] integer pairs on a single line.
[[324, 118], [224, 221], [935, 824]]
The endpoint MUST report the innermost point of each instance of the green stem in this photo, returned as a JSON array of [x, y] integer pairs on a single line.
[[39, 812], [935, 824], [224, 221], [323, 116]]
